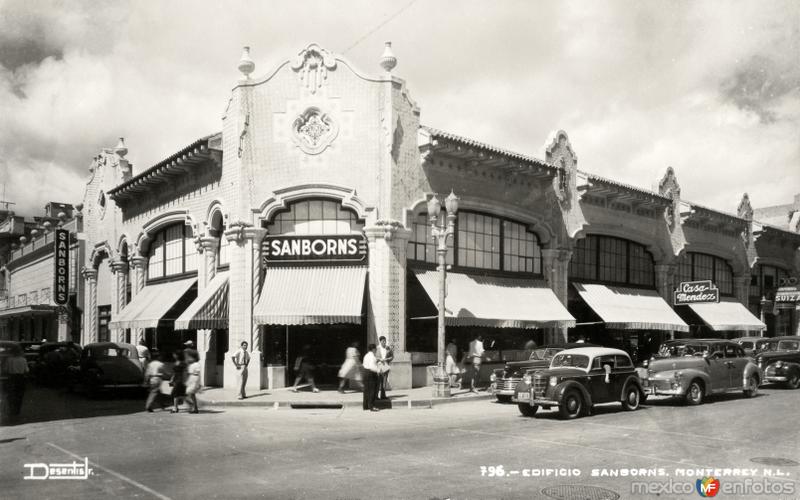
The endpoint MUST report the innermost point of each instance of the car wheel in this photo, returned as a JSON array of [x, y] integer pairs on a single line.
[[527, 410], [694, 394], [752, 383], [571, 405], [631, 399], [794, 380], [503, 399]]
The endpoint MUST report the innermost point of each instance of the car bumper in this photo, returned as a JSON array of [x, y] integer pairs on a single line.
[[545, 402], [661, 388], [775, 378]]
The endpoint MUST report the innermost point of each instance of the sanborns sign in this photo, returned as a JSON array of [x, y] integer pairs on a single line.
[[348, 248], [696, 292], [61, 271]]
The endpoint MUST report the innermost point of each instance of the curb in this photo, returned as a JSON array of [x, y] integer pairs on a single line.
[[394, 404]]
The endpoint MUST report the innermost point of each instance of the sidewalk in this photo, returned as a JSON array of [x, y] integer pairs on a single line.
[[420, 397]]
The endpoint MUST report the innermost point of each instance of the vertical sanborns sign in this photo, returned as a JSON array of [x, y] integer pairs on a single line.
[[61, 274]]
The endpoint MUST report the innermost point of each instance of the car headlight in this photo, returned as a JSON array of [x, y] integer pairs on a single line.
[[645, 363], [779, 364], [553, 381], [492, 378], [677, 376], [526, 379]]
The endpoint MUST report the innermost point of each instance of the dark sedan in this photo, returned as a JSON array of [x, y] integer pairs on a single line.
[[782, 365], [109, 365]]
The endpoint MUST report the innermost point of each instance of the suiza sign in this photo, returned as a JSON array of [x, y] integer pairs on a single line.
[[348, 248], [696, 292]]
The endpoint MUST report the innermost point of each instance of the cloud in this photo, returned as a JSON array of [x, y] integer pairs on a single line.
[[638, 86]]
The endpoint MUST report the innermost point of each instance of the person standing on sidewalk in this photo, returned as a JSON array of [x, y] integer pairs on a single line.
[[143, 353], [476, 353], [384, 355], [241, 359], [370, 378], [154, 375], [16, 368]]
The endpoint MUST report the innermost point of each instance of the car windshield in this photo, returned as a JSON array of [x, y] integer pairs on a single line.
[[537, 354], [789, 345], [573, 360], [108, 352], [747, 345], [678, 350], [552, 351]]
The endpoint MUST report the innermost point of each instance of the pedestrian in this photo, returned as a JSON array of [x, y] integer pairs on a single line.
[[304, 367], [450, 366], [384, 356], [144, 353], [241, 359], [16, 369], [476, 353], [370, 378], [190, 350], [351, 368], [154, 375], [192, 380], [178, 381]]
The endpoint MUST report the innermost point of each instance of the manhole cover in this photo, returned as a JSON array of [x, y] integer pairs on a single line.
[[579, 492], [775, 461]]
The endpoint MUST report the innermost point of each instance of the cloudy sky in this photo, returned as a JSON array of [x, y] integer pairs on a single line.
[[710, 88]]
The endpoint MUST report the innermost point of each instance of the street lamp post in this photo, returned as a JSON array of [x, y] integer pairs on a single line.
[[440, 233]]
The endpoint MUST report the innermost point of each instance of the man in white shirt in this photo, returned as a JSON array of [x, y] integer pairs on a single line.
[[13, 368], [476, 355], [241, 359], [384, 356], [153, 376], [370, 377], [143, 352]]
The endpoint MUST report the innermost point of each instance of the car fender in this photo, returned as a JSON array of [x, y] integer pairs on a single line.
[[632, 379], [750, 369], [561, 388]]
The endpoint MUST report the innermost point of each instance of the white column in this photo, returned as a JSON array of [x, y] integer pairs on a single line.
[[207, 247], [120, 271], [139, 266], [90, 311]]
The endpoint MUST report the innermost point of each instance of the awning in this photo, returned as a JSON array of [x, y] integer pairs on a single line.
[[625, 308], [209, 309], [32, 310], [151, 304], [311, 296], [727, 314], [474, 300]]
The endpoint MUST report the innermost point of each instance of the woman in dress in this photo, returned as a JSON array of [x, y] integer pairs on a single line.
[[177, 381], [351, 368], [192, 381]]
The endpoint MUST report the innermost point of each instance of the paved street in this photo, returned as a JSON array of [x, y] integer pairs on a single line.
[[401, 453]]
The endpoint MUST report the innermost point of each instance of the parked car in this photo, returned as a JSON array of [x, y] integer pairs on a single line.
[[30, 349], [754, 345], [504, 380], [109, 365], [782, 365], [578, 379], [692, 369], [53, 362]]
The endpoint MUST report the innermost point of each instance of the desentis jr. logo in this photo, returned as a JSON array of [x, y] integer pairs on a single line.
[[708, 486]]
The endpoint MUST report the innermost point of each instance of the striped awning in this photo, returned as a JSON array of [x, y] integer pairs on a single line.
[[150, 306], [311, 296], [474, 300], [726, 315], [209, 309], [625, 308]]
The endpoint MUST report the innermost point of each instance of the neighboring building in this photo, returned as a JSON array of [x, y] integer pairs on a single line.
[[27, 308], [303, 222], [785, 217]]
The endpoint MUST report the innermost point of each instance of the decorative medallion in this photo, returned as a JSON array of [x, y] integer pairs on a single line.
[[313, 64], [313, 131], [558, 152]]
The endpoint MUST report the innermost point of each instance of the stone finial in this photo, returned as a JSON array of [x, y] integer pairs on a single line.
[[246, 65], [388, 60], [745, 210], [121, 148]]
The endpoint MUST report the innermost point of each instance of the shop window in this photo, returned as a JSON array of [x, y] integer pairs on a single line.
[[103, 318], [172, 252], [318, 217], [695, 266], [612, 260], [482, 242]]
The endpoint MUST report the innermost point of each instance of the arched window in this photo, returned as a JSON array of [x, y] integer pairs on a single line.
[[695, 266], [172, 252], [481, 241], [217, 230], [315, 217], [612, 260]]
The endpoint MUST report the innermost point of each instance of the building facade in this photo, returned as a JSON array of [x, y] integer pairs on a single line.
[[302, 226]]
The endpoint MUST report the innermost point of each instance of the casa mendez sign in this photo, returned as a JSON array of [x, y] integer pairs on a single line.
[[315, 249], [696, 292], [61, 270]]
